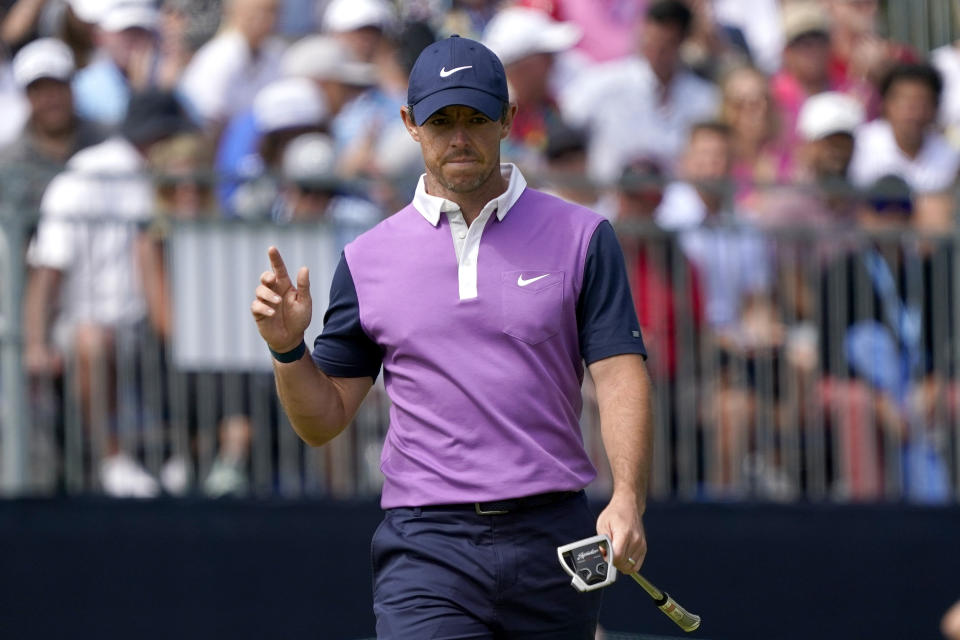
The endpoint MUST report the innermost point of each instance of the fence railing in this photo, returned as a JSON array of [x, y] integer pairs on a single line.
[[787, 364]]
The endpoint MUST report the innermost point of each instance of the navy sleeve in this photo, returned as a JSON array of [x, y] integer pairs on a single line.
[[606, 318], [343, 349]]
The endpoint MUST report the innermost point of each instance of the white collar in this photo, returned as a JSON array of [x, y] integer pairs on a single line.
[[430, 207]]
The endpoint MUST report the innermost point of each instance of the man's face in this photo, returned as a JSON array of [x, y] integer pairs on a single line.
[[807, 57], [831, 155], [708, 157], [660, 45], [51, 105], [460, 145], [256, 18], [529, 78], [910, 107], [125, 47]]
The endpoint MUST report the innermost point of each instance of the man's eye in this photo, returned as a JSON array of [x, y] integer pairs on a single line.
[[438, 122]]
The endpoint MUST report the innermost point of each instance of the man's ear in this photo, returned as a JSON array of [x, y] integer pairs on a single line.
[[408, 122], [507, 121]]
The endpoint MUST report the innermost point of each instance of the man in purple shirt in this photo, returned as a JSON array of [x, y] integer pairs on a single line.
[[481, 300]]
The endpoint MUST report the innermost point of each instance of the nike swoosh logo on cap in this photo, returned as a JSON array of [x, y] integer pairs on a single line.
[[444, 73], [522, 283]]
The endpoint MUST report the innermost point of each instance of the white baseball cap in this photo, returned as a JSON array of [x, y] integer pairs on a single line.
[[309, 158], [121, 15], [43, 58], [350, 15], [288, 103], [88, 11], [518, 32], [325, 58], [828, 113]]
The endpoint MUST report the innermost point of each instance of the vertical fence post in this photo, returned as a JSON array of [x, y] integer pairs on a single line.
[[13, 387]]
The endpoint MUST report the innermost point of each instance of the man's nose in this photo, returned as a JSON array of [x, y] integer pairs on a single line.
[[459, 137]]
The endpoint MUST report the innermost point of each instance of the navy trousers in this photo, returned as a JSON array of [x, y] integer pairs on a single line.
[[453, 574]]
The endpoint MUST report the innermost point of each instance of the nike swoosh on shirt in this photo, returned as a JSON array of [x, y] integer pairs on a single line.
[[444, 73], [522, 283]]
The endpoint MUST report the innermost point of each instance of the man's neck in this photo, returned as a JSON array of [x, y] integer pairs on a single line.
[[470, 203], [57, 146], [909, 145]]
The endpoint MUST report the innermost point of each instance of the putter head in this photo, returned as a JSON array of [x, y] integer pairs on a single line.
[[589, 562]]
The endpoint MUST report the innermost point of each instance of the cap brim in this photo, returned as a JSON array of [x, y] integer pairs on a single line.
[[486, 103]]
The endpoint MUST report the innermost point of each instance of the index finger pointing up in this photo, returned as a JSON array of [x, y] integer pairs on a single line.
[[279, 268]]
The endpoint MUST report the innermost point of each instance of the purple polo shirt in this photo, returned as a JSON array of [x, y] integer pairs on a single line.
[[482, 340]]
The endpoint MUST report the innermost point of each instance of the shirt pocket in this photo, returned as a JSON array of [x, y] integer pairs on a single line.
[[531, 304]]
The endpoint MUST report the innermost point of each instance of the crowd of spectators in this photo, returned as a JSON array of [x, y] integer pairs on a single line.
[[714, 125]]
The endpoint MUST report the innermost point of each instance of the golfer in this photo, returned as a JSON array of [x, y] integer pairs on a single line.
[[481, 300]]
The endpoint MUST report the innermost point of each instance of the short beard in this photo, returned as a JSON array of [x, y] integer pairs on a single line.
[[473, 185]]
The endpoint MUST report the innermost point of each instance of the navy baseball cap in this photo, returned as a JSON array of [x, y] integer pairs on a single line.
[[457, 71]]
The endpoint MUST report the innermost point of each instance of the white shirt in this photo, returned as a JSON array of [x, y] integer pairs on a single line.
[[761, 24], [466, 240], [732, 259], [89, 220], [876, 155], [223, 76], [947, 61], [620, 104]]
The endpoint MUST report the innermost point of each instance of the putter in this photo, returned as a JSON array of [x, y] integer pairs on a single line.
[[589, 562]]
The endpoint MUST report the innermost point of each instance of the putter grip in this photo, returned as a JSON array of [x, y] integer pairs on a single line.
[[684, 619]]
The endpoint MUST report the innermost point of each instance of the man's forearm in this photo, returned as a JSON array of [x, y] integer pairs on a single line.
[[623, 396], [313, 401]]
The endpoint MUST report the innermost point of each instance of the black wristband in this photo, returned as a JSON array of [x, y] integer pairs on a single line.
[[290, 356]]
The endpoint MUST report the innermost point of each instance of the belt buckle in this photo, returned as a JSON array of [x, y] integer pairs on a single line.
[[490, 512]]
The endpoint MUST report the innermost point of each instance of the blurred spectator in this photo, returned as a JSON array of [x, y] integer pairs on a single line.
[[43, 70], [310, 190], [86, 255], [713, 47], [228, 71], [806, 54], [126, 38], [527, 41], [337, 73], [359, 25], [904, 142], [642, 105], [761, 25], [878, 342], [760, 153], [565, 172], [665, 286], [181, 167], [821, 196], [859, 56], [282, 111], [373, 143], [338, 78], [743, 329], [732, 258]]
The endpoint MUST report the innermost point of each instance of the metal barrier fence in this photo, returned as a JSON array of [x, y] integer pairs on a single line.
[[787, 365]]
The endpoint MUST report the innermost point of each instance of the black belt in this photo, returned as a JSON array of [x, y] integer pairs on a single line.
[[501, 507]]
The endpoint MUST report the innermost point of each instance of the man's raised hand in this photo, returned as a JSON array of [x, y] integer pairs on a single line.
[[282, 311]]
